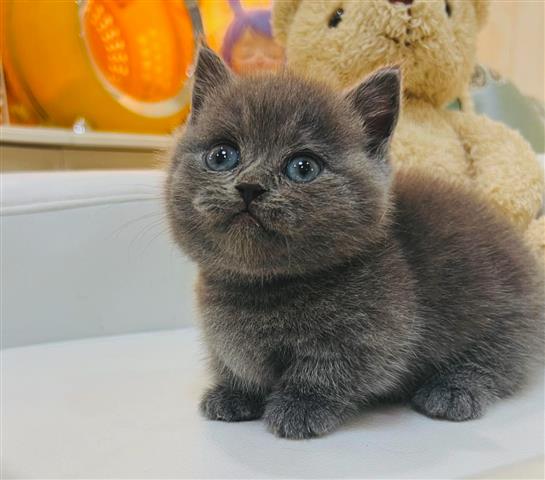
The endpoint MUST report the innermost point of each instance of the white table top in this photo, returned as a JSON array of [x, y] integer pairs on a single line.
[[126, 406]]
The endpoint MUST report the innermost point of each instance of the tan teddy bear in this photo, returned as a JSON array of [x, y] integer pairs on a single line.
[[434, 42]]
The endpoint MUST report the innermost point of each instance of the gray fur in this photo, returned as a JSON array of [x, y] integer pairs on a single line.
[[350, 289]]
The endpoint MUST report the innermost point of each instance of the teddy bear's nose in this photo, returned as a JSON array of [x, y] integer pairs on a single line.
[[404, 2]]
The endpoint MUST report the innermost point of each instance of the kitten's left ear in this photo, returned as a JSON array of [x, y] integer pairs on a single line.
[[210, 73], [377, 101]]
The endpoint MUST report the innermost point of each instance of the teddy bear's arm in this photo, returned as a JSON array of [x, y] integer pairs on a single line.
[[501, 165]]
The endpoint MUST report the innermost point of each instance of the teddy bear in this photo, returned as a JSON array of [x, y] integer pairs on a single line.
[[434, 43]]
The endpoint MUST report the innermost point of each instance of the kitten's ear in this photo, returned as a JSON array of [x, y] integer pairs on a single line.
[[210, 73], [377, 101]]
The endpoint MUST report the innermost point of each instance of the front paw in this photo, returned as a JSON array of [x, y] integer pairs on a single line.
[[223, 403], [297, 416], [444, 401]]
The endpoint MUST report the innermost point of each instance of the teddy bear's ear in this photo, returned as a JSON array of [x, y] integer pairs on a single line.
[[282, 15], [377, 101], [209, 74], [481, 11]]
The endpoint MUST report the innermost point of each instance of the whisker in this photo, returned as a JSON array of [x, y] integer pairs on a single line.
[[136, 220], [289, 253], [143, 232], [161, 232]]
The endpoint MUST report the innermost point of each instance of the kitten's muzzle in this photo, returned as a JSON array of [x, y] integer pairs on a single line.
[[249, 192], [246, 218]]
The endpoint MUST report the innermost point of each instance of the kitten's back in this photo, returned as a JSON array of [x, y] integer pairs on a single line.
[[477, 280], [450, 222]]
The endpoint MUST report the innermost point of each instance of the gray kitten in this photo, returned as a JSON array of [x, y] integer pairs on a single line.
[[325, 284]]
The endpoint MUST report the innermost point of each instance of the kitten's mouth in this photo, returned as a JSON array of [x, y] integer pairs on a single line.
[[245, 217]]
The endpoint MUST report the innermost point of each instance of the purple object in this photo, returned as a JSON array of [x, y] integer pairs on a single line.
[[258, 20]]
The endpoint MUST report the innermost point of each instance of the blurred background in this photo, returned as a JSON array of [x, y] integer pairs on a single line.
[[512, 43], [101, 83]]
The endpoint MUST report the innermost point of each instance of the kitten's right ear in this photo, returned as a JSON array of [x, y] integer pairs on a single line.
[[377, 101], [210, 73]]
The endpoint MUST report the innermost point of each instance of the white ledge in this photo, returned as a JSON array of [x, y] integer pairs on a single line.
[[66, 137]]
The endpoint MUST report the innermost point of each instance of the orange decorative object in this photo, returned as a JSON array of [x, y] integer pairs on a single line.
[[240, 30], [122, 65]]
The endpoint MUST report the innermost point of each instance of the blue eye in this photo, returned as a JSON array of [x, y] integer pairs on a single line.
[[222, 158], [302, 169]]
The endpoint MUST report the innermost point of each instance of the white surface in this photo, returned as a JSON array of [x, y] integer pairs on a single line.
[[45, 191], [126, 407], [65, 137], [86, 254]]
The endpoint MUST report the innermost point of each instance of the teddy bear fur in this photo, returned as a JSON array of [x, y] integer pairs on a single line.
[[434, 42]]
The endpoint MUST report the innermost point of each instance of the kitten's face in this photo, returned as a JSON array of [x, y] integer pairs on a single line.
[[274, 175]]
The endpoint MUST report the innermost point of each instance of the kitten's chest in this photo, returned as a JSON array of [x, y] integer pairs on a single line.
[[254, 335], [256, 348]]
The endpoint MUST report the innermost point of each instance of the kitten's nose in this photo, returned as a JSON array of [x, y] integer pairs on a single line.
[[249, 191]]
